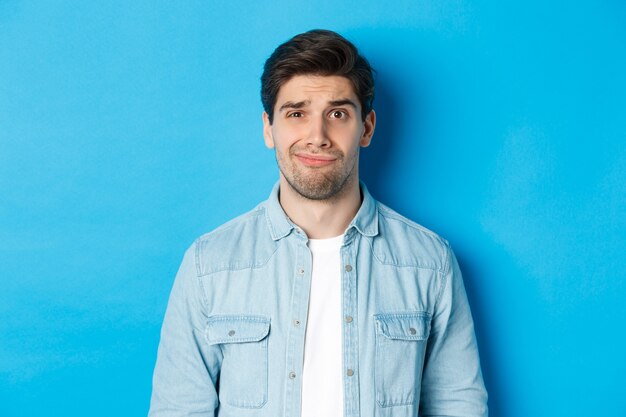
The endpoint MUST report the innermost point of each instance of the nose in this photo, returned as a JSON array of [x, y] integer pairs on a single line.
[[318, 133]]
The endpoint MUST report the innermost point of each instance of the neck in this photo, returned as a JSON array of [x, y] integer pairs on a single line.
[[321, 219]]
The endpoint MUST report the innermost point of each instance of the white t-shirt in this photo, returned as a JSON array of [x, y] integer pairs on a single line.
[[322, 376]]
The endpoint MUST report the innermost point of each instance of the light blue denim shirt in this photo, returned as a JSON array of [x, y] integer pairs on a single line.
[[232, 341]]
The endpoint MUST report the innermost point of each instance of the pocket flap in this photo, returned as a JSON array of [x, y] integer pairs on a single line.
[[404, 326], [236, 329]]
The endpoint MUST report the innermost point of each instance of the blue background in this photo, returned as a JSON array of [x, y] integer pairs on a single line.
[[127, 129]]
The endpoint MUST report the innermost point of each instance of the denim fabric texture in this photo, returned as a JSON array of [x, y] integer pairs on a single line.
[[232, 341]]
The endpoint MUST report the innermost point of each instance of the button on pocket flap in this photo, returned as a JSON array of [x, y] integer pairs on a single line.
[[404, 326], [237, 329]]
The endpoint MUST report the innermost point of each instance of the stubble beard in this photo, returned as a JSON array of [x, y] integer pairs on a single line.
[[318, 184]]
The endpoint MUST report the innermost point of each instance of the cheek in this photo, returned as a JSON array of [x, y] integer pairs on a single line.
[[285, 136], [282, 146], [349, 137], [347, 129]]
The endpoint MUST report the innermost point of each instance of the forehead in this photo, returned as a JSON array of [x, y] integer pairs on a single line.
[[316, 88]]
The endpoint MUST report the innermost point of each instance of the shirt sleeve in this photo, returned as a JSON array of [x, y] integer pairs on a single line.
[[452, 382], [185, 375]]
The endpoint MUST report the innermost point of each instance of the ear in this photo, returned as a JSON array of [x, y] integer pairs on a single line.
[[267, 131], [369, 124]]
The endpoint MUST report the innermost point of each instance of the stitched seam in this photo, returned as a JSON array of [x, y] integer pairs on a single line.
[[444, 277], [269, 223], [203, 299], [403, 314], [241, 268], [380, 261], [232, 223], [390, 214], [256, 319], [370, 241]]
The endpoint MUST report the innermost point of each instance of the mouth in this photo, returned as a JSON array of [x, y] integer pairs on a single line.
[[315, 160]]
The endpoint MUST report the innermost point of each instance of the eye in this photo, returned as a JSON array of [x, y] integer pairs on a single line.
[[338, 114], [295, 114]]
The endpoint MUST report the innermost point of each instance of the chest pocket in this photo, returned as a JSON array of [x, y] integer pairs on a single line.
[[400, 348], [244, 370]]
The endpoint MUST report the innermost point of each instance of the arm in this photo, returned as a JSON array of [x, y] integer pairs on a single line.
[[452, 383], [185, 374]]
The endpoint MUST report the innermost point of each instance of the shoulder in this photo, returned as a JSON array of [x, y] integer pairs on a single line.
[[243, 242], [404, 243]]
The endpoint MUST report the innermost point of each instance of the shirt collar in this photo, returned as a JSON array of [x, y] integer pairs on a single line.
[[365, 221]]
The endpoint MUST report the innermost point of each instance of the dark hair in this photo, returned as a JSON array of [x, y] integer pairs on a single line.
[[317, 52]]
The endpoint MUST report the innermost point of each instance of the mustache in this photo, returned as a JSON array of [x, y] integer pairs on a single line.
[[336, 153]]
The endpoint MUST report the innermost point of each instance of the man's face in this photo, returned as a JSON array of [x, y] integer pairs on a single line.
[[317, 131]]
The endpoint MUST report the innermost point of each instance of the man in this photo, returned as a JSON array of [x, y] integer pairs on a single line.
[[321, 301]]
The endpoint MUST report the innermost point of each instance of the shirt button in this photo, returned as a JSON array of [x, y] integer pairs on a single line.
[[348, 319], [296, 322], [300, 271], [231, 333], [412, 330], [350, 372], [348, 268], [292, 375]]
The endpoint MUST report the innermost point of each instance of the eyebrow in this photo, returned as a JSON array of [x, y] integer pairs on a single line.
[[343, 102], [294, 105], [304, 103]]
